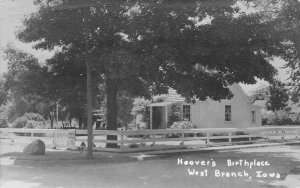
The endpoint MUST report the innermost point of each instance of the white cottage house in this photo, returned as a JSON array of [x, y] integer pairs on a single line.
[[237, 112]]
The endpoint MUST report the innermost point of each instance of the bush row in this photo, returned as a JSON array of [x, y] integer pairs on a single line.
[[30, 121], [280, 118]]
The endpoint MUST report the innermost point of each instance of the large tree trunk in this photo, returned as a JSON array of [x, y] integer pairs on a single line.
[[51, 123], [112, 110], [89, 111], [80, 122]]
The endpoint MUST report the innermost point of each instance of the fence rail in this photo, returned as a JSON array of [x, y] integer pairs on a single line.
[[158, 139]]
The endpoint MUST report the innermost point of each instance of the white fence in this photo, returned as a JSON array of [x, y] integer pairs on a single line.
[[162, 139], [51, 137]]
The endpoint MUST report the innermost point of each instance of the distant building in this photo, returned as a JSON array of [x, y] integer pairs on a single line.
[[234, 113]]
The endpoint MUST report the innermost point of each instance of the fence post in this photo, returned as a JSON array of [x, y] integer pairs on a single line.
[[207, 138], [182, 139], [265, 134], [152, 136], [230, 137], [122, 140], [283, 134]]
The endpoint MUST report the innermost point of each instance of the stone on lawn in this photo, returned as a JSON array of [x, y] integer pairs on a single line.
[[83, 145], [35, 148]]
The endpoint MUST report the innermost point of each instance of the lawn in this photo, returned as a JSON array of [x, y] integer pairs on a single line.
[[71, 169]]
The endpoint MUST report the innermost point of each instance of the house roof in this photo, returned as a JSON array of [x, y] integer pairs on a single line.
[[173, 96], [161, 104]]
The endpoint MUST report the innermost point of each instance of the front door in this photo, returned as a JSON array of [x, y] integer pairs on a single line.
[[158, 117]]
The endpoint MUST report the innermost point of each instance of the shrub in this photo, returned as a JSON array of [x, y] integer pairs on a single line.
[[181, 125], [175, 114], [5, 114], [241, 133], [31, 124], [34, 117], [141, 111], [30, 121], [278, 118], [3, 123], [20, 122], [133, 145]]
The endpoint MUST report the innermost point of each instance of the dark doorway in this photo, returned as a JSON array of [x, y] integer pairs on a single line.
[[158, 117]]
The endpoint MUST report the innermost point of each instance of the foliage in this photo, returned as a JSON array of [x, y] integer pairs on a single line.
[[182, 125], [125, 105], [281, 117], [20, 122], [30, 120], [3, 123], [6, 114], [3, 92], [288, 20], [278, 96], [175, 114], [28, 85], [140, 106], [145, 47], [35, 125], [294, 92], [240, 133], [261, 93], [133, 145], [68, 84], [159, 98]]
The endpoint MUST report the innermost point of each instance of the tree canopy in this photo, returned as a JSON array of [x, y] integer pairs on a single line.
[[288, 22], [144, 47], [27, 84]]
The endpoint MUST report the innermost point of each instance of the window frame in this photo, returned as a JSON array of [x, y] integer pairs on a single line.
[[228, 113], [186, 115], [253, 116]]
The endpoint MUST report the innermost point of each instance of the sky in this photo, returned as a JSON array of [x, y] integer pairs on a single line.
[[12, 12]]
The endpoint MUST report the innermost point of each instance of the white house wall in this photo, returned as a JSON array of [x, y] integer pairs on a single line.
[[211, 114]]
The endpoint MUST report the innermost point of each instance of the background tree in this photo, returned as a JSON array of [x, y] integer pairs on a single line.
[[27, 83], [140, 111], [68, 83], [125, 104], [261, 93], [278, 96], [3, 92], [287, 17]]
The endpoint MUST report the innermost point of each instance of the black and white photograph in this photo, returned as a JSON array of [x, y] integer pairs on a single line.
[[149, 93]]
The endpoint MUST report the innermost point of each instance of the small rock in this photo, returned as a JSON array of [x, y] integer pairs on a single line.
[[83, 144], [35, 148]]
